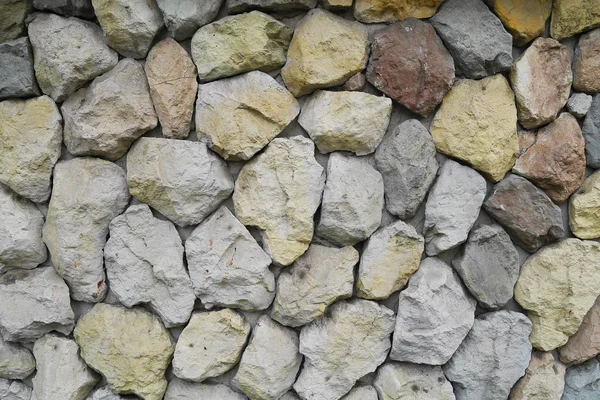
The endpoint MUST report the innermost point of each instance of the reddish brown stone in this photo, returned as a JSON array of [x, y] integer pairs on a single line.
[[585, 343], [410, 64], [356, 83], [526, 139], [586, 63]]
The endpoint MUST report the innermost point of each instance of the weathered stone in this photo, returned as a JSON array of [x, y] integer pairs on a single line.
[[130, 25], [17, 78], [104, 393], [579, 104], [236, 6], [356, 83], [524, 19], [70, 8], [278, 192], [591, 134], [492, 358], [390, 256], [325, 51], [181, 179], [227, 267], [582, 382], [372, 11], [105, 118], [337, 5], [475, 37], [12, 23], [586, 65], [16, 361], [184, 17], [14, 390], [237, 117], [130, 347], [585, 343], [410, 51], [396, 381], [348, 343], [350, 121], [361, 393], [584, 209], [570, 17], [67, 53], [526, 139], [477, 123], [180, 390], [238, 44], [88, 193], [290, 396], [34, 302], [30, 142], [210, 345], [544, 379], [320, 277]]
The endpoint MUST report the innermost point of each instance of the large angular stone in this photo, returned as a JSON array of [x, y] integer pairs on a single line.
[[396, 381], [582, 382], [30, 144], [183, 180], [179, 390], [227, 267], [341, 347], [236, 6], [584, 209], [88, 193], [17, 78], [238, 44], [70, 8], [14, 390], [477, 123], [585, 343], [361, 393], [12, 23], [34, 302], [278, 192], [492, 358], [67, 52], [320, 277], [410, 51], [591, 134], [325, 51], [184, 17], [524, 19], [544, 379], [16, 361], [570, 17], [475, 37], [105, 118], [237, 117], [390, 256], [586, 63], [373, 11]]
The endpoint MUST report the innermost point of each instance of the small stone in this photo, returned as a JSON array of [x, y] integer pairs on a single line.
[[475, 37], [579, 104], [130, 25], [320, 277], [12, 23], [34, 302], [541, 79], [179, 389], [352, 340], [477, 123], [88, 193], [374, 11], [544, 379], [390, 256], [356, 83], [227, 267], [529, 216], [105, 118], [582, 382], [210, 345], [238, 44], [361, 393], [585, 343], [237, 6], [14, 390], [584, 209], [17, 78], [410, 51], [104, 393], [558, 285], [492, 358], [524, 19], [403, 381], [325, 51], [237, 117], [30, 144], [182, 180], [591, 134], [350, 121], [586, 66], [16, 361], [279, 191], [70, 8], [570, 17], [452, 207], [67, 53], [184, 17]]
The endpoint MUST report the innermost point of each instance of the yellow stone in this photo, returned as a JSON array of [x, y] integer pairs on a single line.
[[389, 11], [477, 123], [524, 19], [570, 17], [584, 209]]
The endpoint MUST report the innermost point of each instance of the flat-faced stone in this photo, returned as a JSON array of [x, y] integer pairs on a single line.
[[374, 11], [16, 361], [524, 19], [584, 209], [14, 390], [184, 17], [179, 390], [404, 381], [17, 78], [570, 17], [236, 6], [544, 379], [586, 63], [579, 104], [361, 393], [70, 8], [591, 134], [12, 23], [585, 343], [582, 382]]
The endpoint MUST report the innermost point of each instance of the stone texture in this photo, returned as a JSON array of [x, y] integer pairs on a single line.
[[492, 358], [396, 381], [579, 104], [570, 17], [184, 17], [526, 139], [237, 117], [356, 83], [350, 121], [361, 393], [475, 37], [582, 382], [129, 347], [34, 303], [71, 8], [320, 277], [182, 180], [30, 144], [210, 345], [12, 23], [14, 390], [544, 379], [325, 51], [16, 361], [586, 66], [410, 51], [278, 192], [348, 343], [227, 267], [236, 6], [584, 209], [104, 393], [171, 77], [390, 256], [591, 134], [182, 390], [17, 78], [105, 118], [67, 53], [476, 123], [524, 19], [88, 193], [373, 11], [585, 343], [337, 5], [238, 44]]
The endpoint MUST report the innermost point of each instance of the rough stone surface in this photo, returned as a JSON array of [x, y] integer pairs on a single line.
[[71, 8], [361, 393], [584, 209], [14, 390], [16, 361], [544, 379], [88, 193], [182, 180], [237, 117], [373, 11], [579, 104], [184, 17], [591, 134], [526, 139], [403, 381], [12, 23], [236, 6], [17, 78], [585, 343], [410, 51], [582, 382], [356, 83], [182, 390], [586, 63], [104, 393], [278, 192], [356, 336], [524, 19], [492, 358], [570, 17]]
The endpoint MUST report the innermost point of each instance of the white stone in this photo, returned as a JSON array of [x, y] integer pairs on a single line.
[[14, 390], [404, 381], [361, 393], [183, 390]]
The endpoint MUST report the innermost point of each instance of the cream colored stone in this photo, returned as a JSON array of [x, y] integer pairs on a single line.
[[371, 11], [570, 17], [584, 209], [544, 379]]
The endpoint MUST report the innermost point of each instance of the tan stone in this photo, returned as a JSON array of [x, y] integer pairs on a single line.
[[524, 19], [389, 11], [337, 4], [12, 18], [526, 139], [544, 379], [570, 17], [584, 209], [586, 63], [585, 343]]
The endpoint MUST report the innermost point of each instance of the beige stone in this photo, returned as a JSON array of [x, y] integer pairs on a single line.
[[337, 4], [524, 19], [584, 209], [585, 343], [544, 379], [372, 11], [570, 17]]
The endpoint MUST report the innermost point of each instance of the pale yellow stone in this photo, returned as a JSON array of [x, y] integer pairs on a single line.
[[570, 17], [543, 380], [389, 11], [337, 4], [584, 209]]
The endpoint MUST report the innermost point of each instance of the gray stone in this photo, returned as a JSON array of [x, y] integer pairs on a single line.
[[182, 390], [14, 390], [406, 160], [16, 361], [452, 207], [17, 78], [12, 23], [71, 8], [184, 17], [582, 382], [475, 37], [591, 134], [104, 393], [361, 393], [236, 6], [290, 396], [579, 104], [492, 358], [404, 381]]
